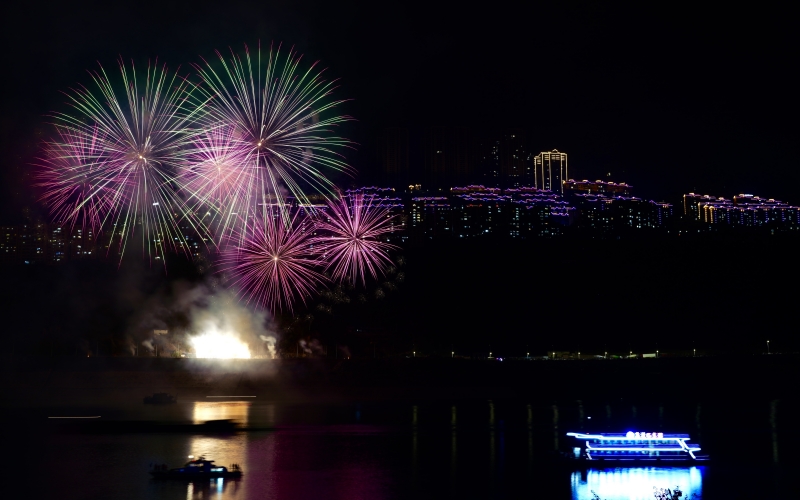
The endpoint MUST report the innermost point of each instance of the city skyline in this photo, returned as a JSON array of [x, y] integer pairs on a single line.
[[615, 106], [399, 249]]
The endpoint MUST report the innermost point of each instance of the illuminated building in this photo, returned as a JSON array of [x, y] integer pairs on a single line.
[[521, 212], [388, 198], [744, 210], [81, 243], [478, 211], [503, 158], [516, 163], [615, 214], [597, 187], [550, 170], [430, 216], [691, 204], [9, 244], [42, 243], [489, 158]]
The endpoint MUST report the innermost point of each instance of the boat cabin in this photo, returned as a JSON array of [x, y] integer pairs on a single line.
[[635, 446]]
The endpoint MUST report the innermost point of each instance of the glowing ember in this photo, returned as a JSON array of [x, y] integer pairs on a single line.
[[220, 345]]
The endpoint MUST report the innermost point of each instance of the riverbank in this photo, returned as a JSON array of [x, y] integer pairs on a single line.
[[60, 381]]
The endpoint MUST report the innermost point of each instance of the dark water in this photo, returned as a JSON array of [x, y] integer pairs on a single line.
[[485, 449]]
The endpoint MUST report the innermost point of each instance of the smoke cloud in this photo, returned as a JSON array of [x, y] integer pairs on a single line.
[[187, 310]]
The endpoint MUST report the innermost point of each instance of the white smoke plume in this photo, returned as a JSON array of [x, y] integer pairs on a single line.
[[269, 345], [188, 311]]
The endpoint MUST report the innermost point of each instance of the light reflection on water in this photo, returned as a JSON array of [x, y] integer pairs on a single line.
[[214, 488], [635, 483], [237, 411], [491, 449], [226, 451]]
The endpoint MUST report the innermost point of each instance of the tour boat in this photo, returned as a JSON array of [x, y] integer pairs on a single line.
[[197, 469], [636, 447]]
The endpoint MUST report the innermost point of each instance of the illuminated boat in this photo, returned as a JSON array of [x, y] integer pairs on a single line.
[[636, 447], [197, 469]]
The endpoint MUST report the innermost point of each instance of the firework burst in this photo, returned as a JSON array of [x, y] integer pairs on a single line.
[[66, 168], [283, 123], [116, 154], [275, 265], [351, 243], [214, 181]]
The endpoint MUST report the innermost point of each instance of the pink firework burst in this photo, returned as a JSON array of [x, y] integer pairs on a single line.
[[284, 120], [114, 159], [217, 179], [274, 263], [351, 242], [67, 172]]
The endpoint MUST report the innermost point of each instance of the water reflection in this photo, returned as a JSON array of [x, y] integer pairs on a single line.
[[237, 411], [488, 450], [635, 484], [453, 449], [529, 421], [773, 420], [556, 432], [214, 488]]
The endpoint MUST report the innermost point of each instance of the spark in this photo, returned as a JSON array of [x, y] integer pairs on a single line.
[[275, 265], [350, 243], [282, 121], [116, 154]]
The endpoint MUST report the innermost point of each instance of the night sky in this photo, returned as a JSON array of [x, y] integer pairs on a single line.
[[666, 98]]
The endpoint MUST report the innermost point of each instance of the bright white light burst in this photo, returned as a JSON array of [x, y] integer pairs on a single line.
[[220, 346]]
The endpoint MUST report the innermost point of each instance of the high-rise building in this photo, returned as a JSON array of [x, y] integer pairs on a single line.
[[488, 158], [515, 159], [449, 155], [609, 188], [504, 158], [550, 170], [744, 210], [393, 153]]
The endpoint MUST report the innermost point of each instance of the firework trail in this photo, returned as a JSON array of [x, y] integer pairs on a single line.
[[283, 123], [68, 163], [116, 154], [275, 265], [214, 180], [351, 244]]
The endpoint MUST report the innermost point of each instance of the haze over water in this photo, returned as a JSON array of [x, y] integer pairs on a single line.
[[475, 449]]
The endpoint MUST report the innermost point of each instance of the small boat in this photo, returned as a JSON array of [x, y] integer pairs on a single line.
[[197, 469], [160, 398], [635, 448]]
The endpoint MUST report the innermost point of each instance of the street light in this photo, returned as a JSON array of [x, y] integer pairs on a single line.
[[452, 354], [767, 346]]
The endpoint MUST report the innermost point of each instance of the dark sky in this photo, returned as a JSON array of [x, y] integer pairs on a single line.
[[670, 99]]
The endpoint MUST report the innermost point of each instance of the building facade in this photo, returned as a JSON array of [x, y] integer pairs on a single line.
[[550, 171]]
